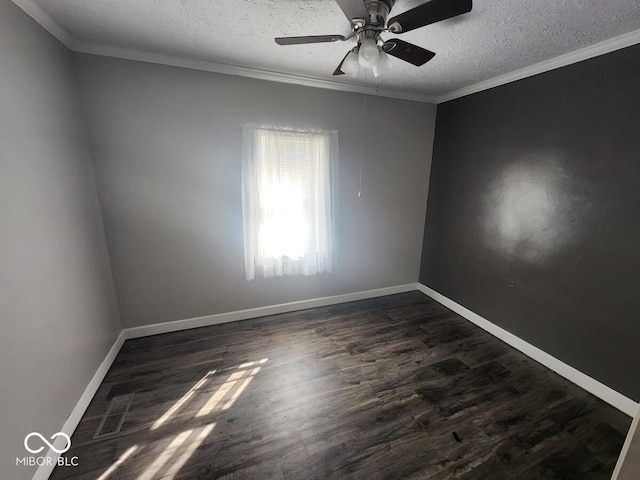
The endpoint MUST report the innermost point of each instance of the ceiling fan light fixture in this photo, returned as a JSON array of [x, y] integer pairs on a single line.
[[383, 65], [369, 53], [351, 64], [369, 19]]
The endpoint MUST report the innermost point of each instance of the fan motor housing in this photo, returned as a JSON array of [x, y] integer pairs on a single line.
[[378, 12], [375, 24]]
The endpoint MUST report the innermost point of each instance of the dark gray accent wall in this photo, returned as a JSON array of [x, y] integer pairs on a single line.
[[533, 217]]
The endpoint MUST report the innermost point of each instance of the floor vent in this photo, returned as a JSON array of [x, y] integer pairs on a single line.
[[113, 418]]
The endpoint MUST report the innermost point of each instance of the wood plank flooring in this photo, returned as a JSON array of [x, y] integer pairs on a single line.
[[389, 388]]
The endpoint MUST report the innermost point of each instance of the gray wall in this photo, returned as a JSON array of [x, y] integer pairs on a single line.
[[167, 149], [57, 306], [534, 212]]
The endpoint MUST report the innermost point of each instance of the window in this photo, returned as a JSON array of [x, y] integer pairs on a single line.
[[287, 201]]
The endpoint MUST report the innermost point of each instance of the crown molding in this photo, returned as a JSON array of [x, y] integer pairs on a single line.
[[595, 50], [31, 8], [208, 66]]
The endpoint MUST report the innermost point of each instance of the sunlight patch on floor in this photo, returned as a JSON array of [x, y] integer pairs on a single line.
[[176, 406], [123, 458], [165, 456], [177, 464], [225, 392]]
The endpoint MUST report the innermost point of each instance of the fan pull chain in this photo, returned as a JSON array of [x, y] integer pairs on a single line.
[[364, 110]]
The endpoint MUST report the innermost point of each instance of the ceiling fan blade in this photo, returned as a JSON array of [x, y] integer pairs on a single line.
[[309, 39], [339, 69], [353, 9], [408, 52], [431, 12]]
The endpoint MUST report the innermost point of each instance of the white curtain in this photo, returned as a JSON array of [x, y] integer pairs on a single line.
[[287, 178]]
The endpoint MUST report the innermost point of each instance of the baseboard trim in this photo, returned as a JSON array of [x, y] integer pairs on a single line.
[[626, 446], [208, 320], [43, 472], [587, 383], [616, 399]]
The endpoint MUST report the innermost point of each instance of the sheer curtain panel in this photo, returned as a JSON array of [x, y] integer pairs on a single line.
[[287, 200]]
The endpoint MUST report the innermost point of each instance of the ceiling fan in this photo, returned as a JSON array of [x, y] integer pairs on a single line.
[[369, 18]]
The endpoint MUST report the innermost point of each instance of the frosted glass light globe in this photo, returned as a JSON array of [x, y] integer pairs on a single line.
[[383, 65], [351, 65], [369, 53]]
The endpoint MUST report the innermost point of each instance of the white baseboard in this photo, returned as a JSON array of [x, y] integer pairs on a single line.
[[587, 383], [216, 319], [598, 389], [72, 422], [43, 472], [625, 447]]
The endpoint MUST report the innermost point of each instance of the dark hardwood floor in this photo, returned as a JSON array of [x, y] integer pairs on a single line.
[[389, 388]]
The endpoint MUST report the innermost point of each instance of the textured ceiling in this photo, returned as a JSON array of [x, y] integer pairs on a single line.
[[497, 37]]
